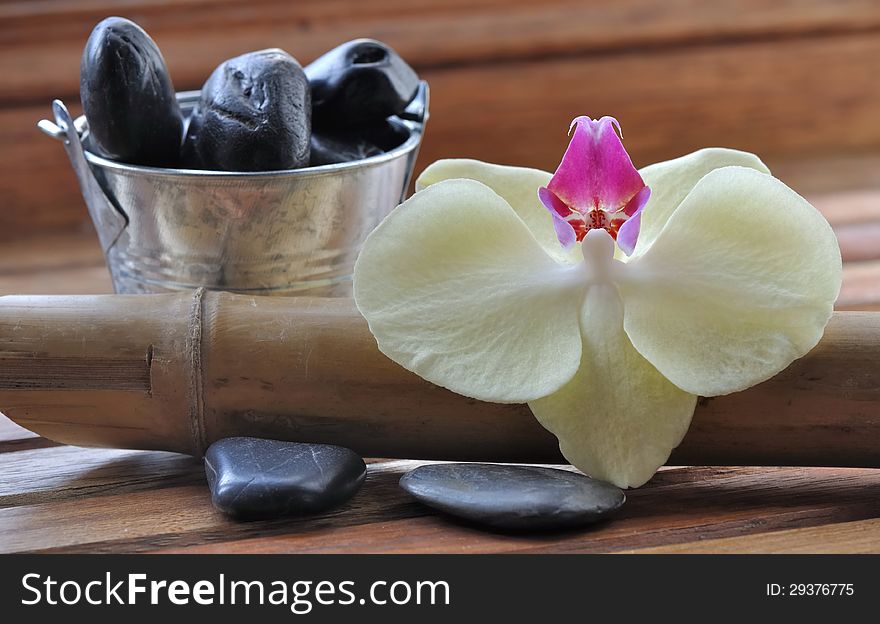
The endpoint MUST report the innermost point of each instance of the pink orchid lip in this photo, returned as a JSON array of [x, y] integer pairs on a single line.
[[596, 186]]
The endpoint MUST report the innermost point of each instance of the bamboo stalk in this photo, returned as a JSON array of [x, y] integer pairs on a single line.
[[176, 372]]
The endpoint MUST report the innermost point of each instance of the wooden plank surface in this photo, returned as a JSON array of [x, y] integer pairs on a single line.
[[856, 537], [111, 501]]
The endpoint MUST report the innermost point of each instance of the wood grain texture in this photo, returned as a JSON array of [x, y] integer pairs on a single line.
[[859, 537], [736, 96], [196, 35], [861, 286], [129, 501], [678, 507], [61, 263], [169, 504]]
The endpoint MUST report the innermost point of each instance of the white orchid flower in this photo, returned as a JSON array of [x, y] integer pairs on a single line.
[[611, 307]]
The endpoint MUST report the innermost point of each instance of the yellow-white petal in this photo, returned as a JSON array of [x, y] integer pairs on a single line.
[[618, 419], [739, 283], [456, 289], [517, 185], [672, 180]]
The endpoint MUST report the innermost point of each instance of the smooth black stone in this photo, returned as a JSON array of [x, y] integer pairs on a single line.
[[513, 497], [254, 114], [355, 143], [359, 83], [252, 478], [128, 98]]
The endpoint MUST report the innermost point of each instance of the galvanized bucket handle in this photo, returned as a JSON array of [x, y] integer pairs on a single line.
[[417, 110], [109, 221], [415, 116]]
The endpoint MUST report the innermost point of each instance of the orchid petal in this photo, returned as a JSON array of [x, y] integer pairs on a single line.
[[555, 206], [740, 282], [565, 232], [628, 234], [670, 182], [517, 185], [618, 419], [456, 288], [595, 172]]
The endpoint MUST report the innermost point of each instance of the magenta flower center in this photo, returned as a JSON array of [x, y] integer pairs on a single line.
[[596, 219], [596, 186]]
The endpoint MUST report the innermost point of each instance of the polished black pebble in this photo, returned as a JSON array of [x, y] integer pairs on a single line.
[[128, 98], [355, 143], [359, 83], [513, 497], [254, 114], [252, 478]]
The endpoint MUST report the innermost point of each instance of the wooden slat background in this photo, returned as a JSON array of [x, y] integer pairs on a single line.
[[797, 81]]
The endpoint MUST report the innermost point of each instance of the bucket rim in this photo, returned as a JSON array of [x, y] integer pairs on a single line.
[[414, 129]]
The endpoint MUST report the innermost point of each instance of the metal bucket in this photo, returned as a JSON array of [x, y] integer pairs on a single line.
[[293, 232]]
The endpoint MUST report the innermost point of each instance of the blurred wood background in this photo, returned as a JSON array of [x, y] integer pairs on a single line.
[[797, 81]]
